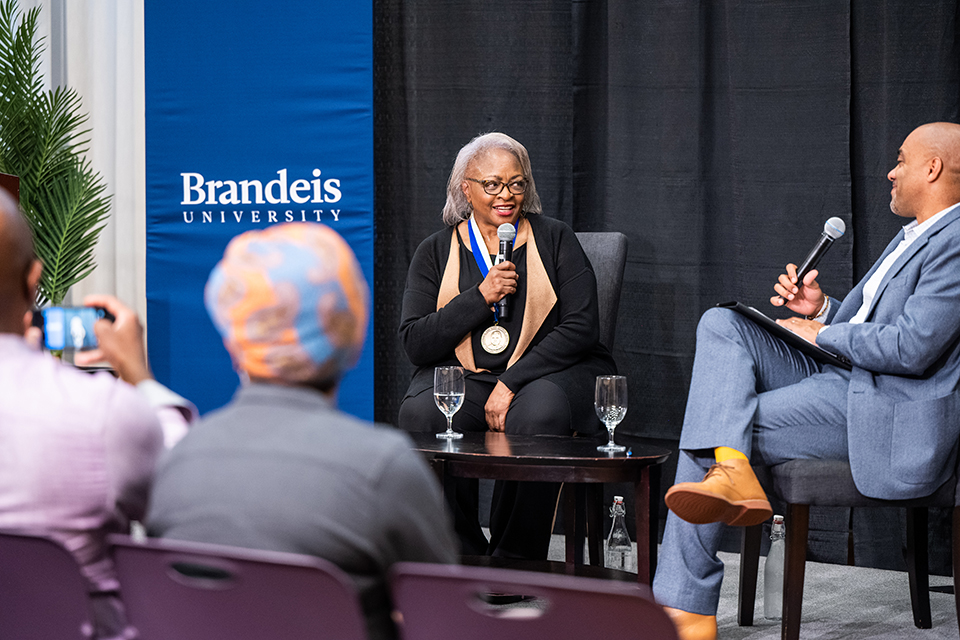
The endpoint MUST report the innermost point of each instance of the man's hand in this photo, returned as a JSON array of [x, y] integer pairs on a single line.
[[120, 341], [497, 405], [806, 329], [806, 300], [501, 280], [33, 335]]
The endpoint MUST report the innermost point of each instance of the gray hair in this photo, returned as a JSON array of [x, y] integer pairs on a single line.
[[457, 208]]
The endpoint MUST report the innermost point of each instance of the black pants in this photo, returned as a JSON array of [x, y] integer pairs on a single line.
[[521, 516]]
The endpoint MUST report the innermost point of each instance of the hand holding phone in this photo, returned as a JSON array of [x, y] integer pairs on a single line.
[[71, 328], [121, 341]]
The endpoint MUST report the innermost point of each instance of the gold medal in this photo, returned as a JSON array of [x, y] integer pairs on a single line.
[[495, 339]]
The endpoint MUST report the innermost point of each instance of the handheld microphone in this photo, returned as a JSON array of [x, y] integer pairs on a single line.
[[506, 232], [832, 229]]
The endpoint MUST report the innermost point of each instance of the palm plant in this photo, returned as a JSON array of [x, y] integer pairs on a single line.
[[41, 141]]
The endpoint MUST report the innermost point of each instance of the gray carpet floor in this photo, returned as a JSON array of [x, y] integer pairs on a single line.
[[841, 602], [851, 603]]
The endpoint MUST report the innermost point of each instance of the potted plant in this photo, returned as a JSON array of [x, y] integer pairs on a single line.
[[42, 141]]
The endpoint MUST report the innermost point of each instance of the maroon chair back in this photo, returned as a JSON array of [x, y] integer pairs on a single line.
[[447, 601], [181, 590], [43, 595], [11, 184]]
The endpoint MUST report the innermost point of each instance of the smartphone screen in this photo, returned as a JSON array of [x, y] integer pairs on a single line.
[[70, 328]]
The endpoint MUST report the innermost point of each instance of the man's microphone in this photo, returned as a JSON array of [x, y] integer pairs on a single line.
[[832, 229], [506, 232]]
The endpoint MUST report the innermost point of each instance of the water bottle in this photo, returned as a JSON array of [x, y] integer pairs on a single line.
[[773, 573], [619, 549]]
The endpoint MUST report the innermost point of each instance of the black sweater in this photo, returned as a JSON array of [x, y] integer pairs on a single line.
[[569, 334]]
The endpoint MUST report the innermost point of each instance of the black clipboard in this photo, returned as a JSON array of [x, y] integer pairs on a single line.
[[817, 353]]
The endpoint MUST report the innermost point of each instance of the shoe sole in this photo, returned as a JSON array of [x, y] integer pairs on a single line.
[[703, 507]]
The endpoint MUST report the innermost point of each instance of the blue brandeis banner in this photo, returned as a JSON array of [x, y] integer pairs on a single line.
[[257, 113]]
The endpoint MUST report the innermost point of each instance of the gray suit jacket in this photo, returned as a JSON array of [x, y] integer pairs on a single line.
[[903, 403]]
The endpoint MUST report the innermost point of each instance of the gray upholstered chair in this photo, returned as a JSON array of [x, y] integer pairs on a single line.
[[607, 251], [805, 483]]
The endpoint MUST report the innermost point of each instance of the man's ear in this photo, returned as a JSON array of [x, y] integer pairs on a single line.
[[33, 280], [934, 169]]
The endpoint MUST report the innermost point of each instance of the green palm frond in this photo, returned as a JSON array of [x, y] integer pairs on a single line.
[[43, 141]]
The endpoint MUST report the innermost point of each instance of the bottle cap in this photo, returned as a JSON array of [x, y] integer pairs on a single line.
[[618, 498], [777, 519]]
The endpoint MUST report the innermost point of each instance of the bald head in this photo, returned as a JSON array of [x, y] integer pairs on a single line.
[[942, 140], [19, 270], [927, 176]]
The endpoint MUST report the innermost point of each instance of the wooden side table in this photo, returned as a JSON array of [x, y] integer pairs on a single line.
[[571, 460]]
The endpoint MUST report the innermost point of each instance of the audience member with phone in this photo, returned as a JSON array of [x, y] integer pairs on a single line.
[[85, 445]]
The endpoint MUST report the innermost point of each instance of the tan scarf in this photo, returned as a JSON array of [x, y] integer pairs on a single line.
[[540, 294]]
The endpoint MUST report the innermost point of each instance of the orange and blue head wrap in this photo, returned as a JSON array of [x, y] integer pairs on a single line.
[[290, 302]]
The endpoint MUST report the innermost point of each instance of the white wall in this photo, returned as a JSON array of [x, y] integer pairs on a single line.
[[96, 47]]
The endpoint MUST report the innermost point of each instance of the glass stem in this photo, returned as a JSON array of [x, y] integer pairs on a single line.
[[610, 429], [449, 424]]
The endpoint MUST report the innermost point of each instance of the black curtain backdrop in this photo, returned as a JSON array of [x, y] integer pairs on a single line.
[[717, 135]]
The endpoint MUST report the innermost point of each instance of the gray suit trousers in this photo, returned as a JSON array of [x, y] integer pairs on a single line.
[[752, 392]]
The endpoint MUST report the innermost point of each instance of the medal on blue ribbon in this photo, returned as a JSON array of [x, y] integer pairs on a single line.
[[495, 338]]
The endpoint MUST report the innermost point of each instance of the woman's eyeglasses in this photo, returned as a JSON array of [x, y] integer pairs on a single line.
[[494, 187]]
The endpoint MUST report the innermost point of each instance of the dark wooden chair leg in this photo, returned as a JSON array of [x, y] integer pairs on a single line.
[[917, 567], [749, 566], [594, 513], [581, 530], [646, 533], [797, 525], [572, 527]]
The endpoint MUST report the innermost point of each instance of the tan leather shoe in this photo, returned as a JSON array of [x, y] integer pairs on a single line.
[[730, 493], [693, 626]]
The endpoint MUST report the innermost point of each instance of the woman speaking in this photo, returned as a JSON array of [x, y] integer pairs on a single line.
[[530, 371]]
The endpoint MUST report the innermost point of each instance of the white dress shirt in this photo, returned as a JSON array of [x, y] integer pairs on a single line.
[[911, 232]]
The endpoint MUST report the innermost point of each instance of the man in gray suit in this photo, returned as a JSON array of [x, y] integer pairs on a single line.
[[753, 399]]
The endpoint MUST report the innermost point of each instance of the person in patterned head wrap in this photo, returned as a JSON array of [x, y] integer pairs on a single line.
[[280, 467], [291, 304]]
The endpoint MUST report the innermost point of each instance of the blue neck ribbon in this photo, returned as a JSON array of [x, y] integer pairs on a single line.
[[483, 259]]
